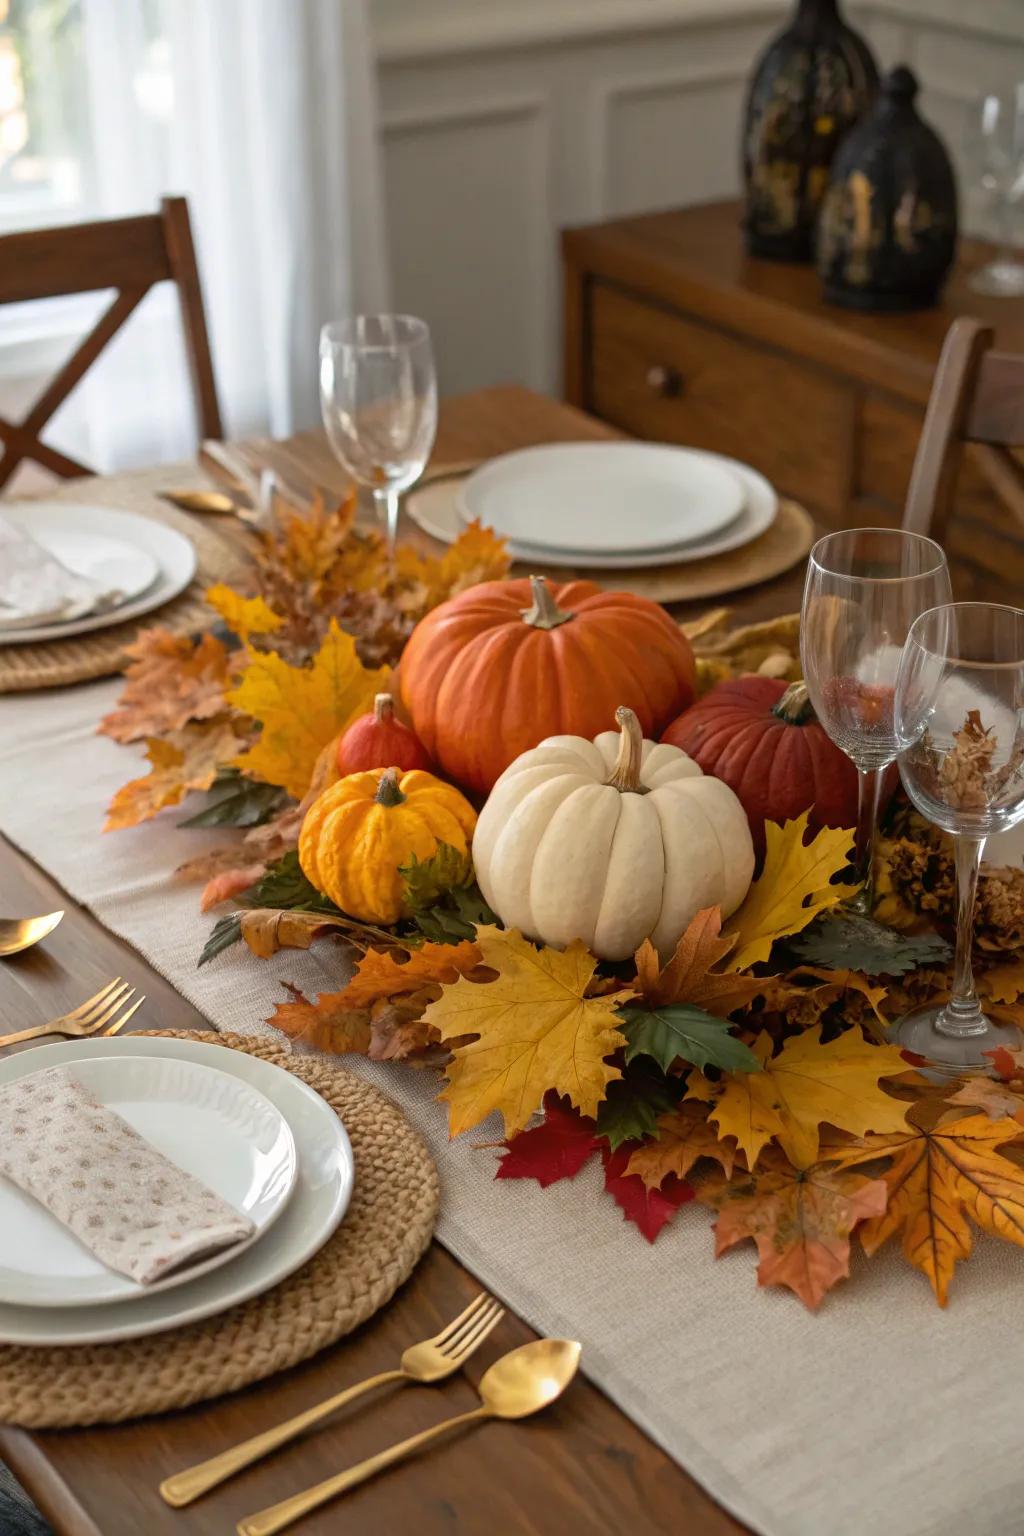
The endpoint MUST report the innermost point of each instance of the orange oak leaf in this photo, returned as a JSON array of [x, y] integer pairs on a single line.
[[184, 760], [688, 977], [1003, 983], [322, 1024], [807, 1084], [782, 991], [380, 975], [170, 680], [940, 1176], [684, 1134], [800, 1221]]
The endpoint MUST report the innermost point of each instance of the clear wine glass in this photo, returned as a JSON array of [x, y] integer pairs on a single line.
[[959, 712], [863, 591], [995, 153], [378, 398]]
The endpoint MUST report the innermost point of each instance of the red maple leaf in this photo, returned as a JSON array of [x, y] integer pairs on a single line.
[[555, 1150], [648, 1209]]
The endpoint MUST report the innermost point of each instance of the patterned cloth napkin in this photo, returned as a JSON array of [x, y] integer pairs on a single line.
[[128, 1204], [36, 588]]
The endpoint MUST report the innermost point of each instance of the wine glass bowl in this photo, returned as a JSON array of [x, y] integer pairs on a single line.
[[378, 399], [959, 713], [995, 155], [864, 589]]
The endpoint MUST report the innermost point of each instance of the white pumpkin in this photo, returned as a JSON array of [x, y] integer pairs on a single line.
[[611, 841]]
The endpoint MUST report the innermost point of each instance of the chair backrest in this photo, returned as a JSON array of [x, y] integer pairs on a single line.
[[131, 256], [977, 398]]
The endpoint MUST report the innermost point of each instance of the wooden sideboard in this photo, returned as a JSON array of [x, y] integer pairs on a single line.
[[672, 332]]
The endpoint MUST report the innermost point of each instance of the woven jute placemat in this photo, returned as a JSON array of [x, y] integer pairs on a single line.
[[101, 652], [385, 1232]]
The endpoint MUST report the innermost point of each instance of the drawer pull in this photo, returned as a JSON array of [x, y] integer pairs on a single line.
[[665, 381]]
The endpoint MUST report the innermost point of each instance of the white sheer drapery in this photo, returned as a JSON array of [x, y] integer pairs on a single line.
[[262, 113]]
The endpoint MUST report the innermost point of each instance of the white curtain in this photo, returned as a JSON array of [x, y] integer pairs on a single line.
[[262, 113]]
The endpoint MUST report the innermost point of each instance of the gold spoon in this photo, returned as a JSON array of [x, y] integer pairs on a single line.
[[200, 501], [520, 1383], [18, 933]]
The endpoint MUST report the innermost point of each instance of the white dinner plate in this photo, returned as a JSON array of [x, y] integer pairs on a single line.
[[67, 527], [434, 508], [603, 499], [219, 1129], [322, 1191]]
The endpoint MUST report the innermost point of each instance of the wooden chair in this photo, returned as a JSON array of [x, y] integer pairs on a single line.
[[131, 256], [976, 401]]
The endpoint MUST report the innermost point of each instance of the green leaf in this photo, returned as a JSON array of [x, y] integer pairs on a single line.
[[847, 941], [226, 931], [633, 1103], [425, 881], [681, 1031], [235, 801], [443, 900], [283, 885]]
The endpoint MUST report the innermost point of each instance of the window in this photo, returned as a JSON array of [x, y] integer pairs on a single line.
[[44, 170]]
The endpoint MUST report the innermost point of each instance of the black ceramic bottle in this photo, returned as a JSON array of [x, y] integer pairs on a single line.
[[813, 82], [887, 236]]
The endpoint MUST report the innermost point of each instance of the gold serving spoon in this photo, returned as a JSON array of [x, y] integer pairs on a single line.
[[18, 933], [200, 501], [520, 1383]]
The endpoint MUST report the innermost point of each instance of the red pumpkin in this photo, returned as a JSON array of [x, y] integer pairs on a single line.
[[762, 739], [495, 670], [380, 741]]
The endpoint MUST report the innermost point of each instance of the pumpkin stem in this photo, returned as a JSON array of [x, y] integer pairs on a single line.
[[543, 612], [626, 773], [388, 792], [795, 706], [383, 708]]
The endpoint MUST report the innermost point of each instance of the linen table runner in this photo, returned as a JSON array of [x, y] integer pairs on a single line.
[[879, 1413]]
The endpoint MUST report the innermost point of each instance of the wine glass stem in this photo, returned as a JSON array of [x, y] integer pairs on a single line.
[[386, 500], [962, 1015], [869, 787]]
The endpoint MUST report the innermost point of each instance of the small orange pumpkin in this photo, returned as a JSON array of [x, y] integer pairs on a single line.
[[378, 740], [492, 672]]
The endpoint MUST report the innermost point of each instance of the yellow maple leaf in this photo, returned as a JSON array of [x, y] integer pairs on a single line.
[[533, 1029], [302, 708], [806, 1084], [184, 760], [940, 1176], [1003, 983], [244, 616], [793, 887]]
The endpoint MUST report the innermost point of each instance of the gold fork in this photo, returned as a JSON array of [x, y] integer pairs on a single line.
[[431, 1361], [89, 1018]]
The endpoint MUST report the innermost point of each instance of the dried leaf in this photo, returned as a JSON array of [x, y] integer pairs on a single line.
[[169, 681], [556, 1149], [323, 1025], [648, 1209], [533, 1029], [186, 759], [806, 1084], [380, 974], [998, 1100], [793, 887], [244, 616], [683, 1136], [302, 708], [1003, 983], [266, 930], [939, 1177], [800, 1221], [689, 976]]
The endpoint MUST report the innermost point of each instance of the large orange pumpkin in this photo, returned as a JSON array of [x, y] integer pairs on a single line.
[[763, 740], [493, 671]]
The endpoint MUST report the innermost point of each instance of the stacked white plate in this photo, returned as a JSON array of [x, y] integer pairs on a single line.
[[256, 1135], [605, 505], [143, 562]]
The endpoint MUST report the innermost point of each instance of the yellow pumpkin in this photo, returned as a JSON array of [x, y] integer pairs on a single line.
[[358, 832]]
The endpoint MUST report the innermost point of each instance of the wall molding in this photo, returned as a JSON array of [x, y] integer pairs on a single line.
[[483, 109]]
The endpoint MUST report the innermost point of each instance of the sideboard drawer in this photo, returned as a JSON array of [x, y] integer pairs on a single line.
[[658, 375]]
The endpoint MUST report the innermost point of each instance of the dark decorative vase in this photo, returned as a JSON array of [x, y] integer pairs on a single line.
[[811, 85], [887, 236]]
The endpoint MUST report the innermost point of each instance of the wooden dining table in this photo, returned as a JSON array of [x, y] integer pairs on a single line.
[[581, 1467]]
